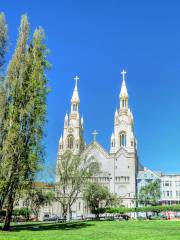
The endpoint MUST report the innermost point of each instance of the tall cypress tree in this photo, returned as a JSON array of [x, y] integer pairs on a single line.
[[3, 99], [22, 151]]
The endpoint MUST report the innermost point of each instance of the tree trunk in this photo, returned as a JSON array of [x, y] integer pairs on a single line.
[[64, 212], [9, 211], [70, 213]]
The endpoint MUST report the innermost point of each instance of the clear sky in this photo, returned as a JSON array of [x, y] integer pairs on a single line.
[[96, 39]]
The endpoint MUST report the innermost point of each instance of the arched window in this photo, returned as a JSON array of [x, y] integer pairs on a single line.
[[70, 141], [122, 139], [74, 107]]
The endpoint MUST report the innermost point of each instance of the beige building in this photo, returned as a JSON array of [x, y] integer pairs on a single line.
[[170, 189], [119, 165]]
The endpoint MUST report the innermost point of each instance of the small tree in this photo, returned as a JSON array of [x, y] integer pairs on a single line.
[[73, 173], [38, 198], [95, 194], [150, 193]]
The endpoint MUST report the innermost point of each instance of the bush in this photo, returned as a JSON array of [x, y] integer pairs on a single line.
[[154, 209], [25, 212]]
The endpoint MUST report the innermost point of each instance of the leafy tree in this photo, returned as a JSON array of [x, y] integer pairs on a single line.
[[73, 173], [38, 198], [150, 193], [22, 149], [95, 194], [3, 50]]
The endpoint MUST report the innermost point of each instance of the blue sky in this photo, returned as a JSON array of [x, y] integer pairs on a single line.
[[96, 40]]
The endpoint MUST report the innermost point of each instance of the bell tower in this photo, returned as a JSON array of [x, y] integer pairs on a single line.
[[72, 138], [123, 134]]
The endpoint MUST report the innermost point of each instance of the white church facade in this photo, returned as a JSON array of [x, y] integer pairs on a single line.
[[119, 166]]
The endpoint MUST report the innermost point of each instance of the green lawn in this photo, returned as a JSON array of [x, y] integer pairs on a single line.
[[95, 230]]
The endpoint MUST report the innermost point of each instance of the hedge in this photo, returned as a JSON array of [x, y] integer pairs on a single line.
[[156, 209]]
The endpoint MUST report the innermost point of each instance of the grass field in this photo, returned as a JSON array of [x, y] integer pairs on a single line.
[[95, 230]]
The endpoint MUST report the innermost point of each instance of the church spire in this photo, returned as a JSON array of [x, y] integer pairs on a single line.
[[75, 97], [123, 93]]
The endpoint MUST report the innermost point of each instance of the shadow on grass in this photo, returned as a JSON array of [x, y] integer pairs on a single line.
[[51, 226]]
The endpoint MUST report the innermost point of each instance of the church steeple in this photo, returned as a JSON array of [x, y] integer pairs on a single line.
[[123, 93], [123, 134], [72, 138], [75, 97]]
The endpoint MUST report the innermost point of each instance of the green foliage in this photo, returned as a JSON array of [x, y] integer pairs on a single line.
[[3, 50], [38, 198], [22, 151], [150, 194], [25, 212], [95, 194], [155, 209], [3, 39]]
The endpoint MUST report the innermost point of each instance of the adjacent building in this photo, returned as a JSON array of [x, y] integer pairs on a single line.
[[169, 185]]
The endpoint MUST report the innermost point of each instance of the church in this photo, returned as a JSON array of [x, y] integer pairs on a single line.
[[121, 172], [119, 165]]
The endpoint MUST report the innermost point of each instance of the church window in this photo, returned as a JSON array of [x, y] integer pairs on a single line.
[[122, 139], [132, 143], [70, 142], [74, 107]]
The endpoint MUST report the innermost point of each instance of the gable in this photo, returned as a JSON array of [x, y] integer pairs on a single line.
[[147, 174]]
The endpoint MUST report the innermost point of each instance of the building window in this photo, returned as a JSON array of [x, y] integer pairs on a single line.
[[124, 103], [75, 106], [177, 193], [177, 183], [70, 141], [167, 184], [122, 139]]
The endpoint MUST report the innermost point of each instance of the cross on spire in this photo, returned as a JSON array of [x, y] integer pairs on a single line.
[[123, 74], [94, 133], [76, 78]]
